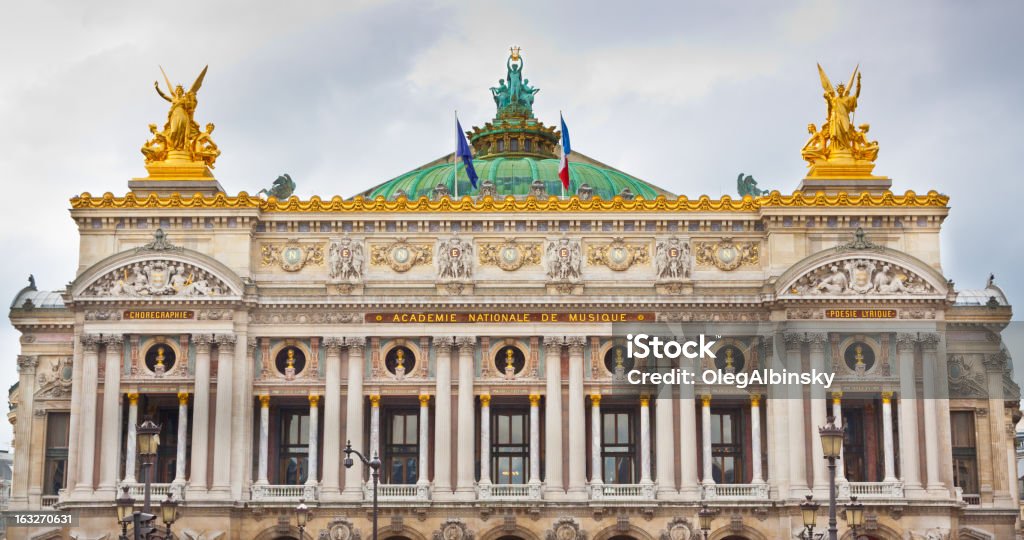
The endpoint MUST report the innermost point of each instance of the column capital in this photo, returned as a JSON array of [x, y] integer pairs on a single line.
[[314, 400], [755, 400], [182, 398], [90, 342], [27, 363], [465, 343], [887, 397], [645, 401], [443, 343], [424, 400], [905, 341], [225, 342], [133, 398], [705, 400], [355, 342], [202, 342], [333, 344], [265, 401], [595, 400], [837, 397], [485, 400], [534, 400], [817, 340], [113, 341], [929, 341], [374, 400], [554, 342], [793, 341], [251, 344], [576, 343]]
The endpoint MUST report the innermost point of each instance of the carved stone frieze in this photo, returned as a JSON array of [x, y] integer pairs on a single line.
[[305, 317], [345, 261], [157, 278], [509, 255], [727, 255], [292, 255], [860, 276], [712, 316], [103, 315], [400, 255], [617, 255], [672, 259]]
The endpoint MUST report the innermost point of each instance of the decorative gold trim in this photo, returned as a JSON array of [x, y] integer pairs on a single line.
[[534, 400], [182, 398], [424, 400], [485, 400], [375, 400], [595, 400], [314, 400], [265, 401], [510, 204]]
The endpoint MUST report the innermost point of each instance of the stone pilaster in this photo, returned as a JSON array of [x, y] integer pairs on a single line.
[[111, 434], [331, 482], [553, 416], [224, 416], [443, 418], [466, 434], [577, 426]]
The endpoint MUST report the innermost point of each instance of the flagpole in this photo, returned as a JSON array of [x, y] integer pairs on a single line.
[[455, 157], [562, 122]]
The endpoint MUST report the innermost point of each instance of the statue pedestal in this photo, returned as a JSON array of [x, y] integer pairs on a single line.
[[177, 174], [841, 172]]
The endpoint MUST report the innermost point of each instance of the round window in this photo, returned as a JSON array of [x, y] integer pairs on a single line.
[[400, 357], [617, 361], [509, 357], [859, 357], [160, 358], [730, 358], [290, 358]]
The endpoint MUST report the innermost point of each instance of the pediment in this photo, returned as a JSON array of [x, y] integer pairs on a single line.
[[862, 274]]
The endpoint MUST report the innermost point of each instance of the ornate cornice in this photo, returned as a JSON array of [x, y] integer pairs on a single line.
[[510, 204]]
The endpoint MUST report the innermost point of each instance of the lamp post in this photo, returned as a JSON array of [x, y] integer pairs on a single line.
[[301, 518], [809, 513], [374, 465], [125, 507], [855, 515], [704, 517], [148, 441], [832, 448], [169, 513]]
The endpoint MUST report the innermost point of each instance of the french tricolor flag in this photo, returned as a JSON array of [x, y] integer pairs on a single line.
[[563, 166]]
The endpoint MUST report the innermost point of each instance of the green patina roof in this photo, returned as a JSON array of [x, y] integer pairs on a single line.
[[513, 176]]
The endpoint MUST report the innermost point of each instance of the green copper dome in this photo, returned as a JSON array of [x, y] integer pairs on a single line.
[[514, 176]]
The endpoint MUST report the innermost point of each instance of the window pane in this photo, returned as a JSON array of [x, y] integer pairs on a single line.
[[517, 430], [962, 426], [504, 436], [57, 430], [411, 429], [623, 429], [716, 428], [726, 428], [609, 428]]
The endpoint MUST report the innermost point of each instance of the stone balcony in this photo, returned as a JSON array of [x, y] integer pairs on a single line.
[[734, 492], [871, 491], [622, 492], [283, 493], [509, 492], [397, 492], [157, 492]]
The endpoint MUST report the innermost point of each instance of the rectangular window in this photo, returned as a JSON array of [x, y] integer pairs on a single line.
[[854, 453], [402, 446], [167, 450], [618, 447], [56, 468], [510, 446], [727, 445], [965, 454], [293, 447]]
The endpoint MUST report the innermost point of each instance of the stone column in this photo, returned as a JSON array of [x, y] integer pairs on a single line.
[[577, 419], [354, 414], [665, 451], [261, 474], [776, 424], [910, 454], [485, 440], [756, 477], [466, 434], [888, 451], [929, 345], [837, 415], [645, 440], [443, 418], [797, 440], [75, 420], [200, 412], [181, 458], [705, 440], [819, 414], [553, 415], [314, 438], [689, 488], [330, 485], [596, 468], [111, 434], [422, 471], [130, 439], [23, 428], [374, 426], [535, 440], [87, 433], [224, 418], [242, 438]]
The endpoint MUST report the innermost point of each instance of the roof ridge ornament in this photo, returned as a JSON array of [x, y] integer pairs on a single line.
[[860, 242], [159, 243]]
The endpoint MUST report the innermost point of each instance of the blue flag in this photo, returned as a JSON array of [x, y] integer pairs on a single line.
[[463, 151]]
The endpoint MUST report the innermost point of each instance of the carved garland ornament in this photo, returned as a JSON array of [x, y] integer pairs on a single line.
[[860, 276], [727, 255], [618, 255], [157, 278], [509, 256], [401, 255], [291, 256]]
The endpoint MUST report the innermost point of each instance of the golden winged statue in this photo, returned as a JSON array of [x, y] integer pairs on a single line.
[[839, 144], [181, 140]]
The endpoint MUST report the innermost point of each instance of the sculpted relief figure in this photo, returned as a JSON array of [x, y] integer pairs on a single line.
[[455, 259], [861, 276], [672, 259], [564, 259], [345, 261]]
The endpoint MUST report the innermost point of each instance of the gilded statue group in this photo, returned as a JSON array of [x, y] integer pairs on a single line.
[[838, 137], [181, 135], [517, 95]]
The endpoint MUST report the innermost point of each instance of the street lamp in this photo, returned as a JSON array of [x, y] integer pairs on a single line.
[[374, 465], [704, 517], [169, 512], [148, 441], [809, 512], [125, 507], [832, 447], [855, 515], [302, 517]]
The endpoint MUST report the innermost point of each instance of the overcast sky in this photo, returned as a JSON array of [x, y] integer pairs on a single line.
[[344, 96]]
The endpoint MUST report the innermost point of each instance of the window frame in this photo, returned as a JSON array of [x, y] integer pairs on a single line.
[[389, 452], [510, 450], [630, 454]]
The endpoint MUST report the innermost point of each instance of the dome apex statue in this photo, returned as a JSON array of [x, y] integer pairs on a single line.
[[840, 148]]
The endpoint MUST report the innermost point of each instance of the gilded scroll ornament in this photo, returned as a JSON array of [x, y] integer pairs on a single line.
[[401, 255], [617, 255], [728, 255], [291, 256], [509, 255]]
